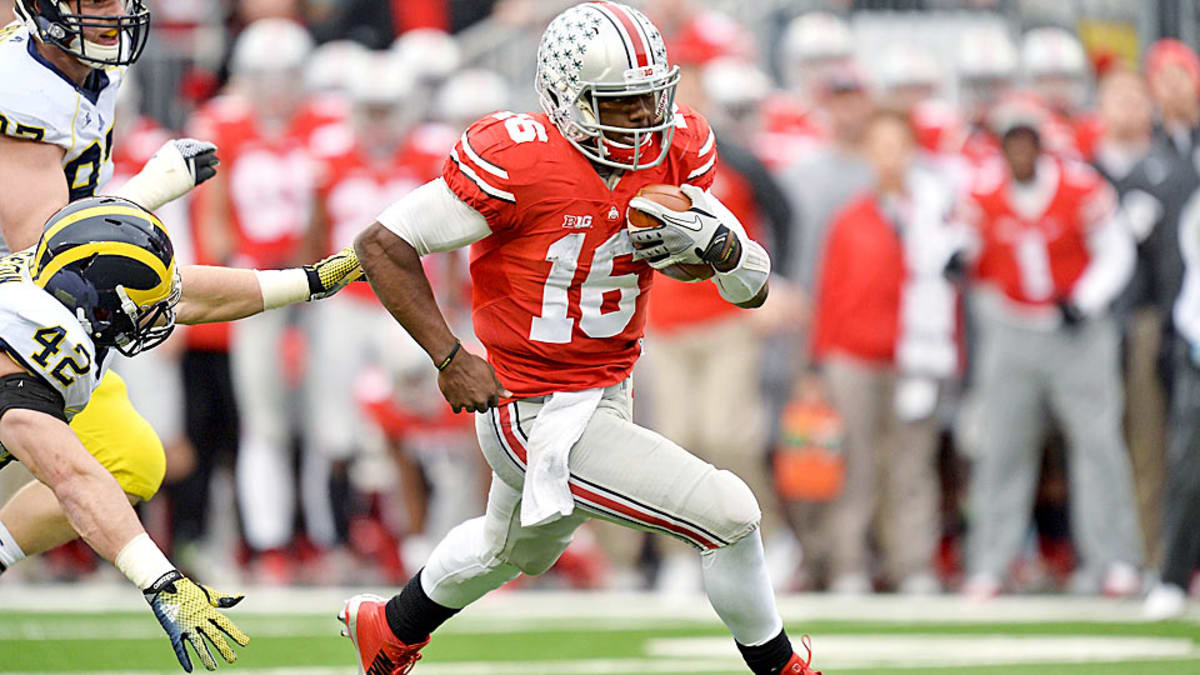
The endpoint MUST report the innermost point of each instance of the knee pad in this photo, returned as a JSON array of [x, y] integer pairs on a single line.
[[121, 440], [736, 513]]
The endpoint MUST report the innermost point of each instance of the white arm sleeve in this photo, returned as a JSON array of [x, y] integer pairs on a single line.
[[1186, 312], [743, 282], [432, 219], [1114, 255]]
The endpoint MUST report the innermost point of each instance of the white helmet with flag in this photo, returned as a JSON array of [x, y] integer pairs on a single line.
[[606, 50]]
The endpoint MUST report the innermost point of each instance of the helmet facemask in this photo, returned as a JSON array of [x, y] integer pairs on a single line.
[[581, 120], [149, 326], [64, 25]]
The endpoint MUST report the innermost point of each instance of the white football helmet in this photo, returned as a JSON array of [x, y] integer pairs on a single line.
[[909, 65], [600, 50], [469, 95], [987, 67], [375, 81], [1057, 67], [817, 36], [428, 53], [1053, 51], [734, 83], [813, 45], [271, 46], [331, 66]]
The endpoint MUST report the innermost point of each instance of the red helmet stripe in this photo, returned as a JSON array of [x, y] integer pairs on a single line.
[[632, 32]]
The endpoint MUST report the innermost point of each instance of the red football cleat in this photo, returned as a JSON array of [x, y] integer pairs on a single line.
[[378, 650], [798, 666]]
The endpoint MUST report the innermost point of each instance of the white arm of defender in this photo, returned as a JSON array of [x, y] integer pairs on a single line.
[[1113, 256], [743, 282], [177, 167], [433, 220]]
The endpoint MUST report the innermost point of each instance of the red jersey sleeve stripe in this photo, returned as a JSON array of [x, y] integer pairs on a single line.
[[704, 168], [708, 144], [481, 162], [487, 188]]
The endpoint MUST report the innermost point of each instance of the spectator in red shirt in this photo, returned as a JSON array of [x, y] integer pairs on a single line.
[[886, 335]]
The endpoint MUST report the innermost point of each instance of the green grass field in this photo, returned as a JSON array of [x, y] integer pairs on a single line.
[[560, 634]]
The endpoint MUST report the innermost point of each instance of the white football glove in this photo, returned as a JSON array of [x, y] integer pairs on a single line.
[[178, 166], [706, 233]]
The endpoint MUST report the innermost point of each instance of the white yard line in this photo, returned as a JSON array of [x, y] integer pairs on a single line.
[[514, 607], [895, 651], [834, 652]]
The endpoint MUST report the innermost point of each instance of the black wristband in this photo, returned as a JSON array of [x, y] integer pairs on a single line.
[[445, 363]]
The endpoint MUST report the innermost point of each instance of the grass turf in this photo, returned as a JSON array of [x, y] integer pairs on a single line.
[[127, 642]]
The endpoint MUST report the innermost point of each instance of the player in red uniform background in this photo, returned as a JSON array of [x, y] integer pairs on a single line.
[[256, 213], [360, 170], [1053, 256], [559, 298]]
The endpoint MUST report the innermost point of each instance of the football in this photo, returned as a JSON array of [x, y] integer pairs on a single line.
[[673, 198]]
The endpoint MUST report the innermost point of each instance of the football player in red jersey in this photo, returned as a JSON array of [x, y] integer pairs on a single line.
[[559, 303], [1053, 256], [360, 171], [260, 206]]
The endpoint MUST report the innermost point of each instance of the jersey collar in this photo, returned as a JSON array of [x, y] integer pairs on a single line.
[[96, 81]]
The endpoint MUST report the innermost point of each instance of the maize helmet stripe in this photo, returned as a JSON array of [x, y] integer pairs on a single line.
[[115, 209], [163, 273]]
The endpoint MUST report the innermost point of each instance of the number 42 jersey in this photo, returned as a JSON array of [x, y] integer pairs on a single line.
[[38, 103], [558, 300], [39, 333]]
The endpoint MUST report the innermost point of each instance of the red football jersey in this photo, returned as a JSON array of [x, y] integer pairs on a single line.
[[558, 300], [320, 112], [790, 131], [1035, 259], [271, 181], [426, 147], [353, 188], [135, 149]]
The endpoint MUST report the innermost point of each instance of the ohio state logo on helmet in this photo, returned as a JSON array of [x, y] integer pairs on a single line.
[[599, 50]]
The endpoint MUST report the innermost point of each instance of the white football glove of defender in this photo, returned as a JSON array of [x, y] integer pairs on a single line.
[[178, 166], [317, 281], [706, 233]]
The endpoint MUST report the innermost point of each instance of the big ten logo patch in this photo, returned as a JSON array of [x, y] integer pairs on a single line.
[[576, 222]]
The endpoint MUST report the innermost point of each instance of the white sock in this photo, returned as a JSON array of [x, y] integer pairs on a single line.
[[10, 552], [739, 589]]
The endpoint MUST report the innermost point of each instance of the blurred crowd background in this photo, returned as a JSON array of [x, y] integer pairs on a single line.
[[977, 371]]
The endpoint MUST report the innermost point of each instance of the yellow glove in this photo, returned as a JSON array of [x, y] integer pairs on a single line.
[[188, 611], [332, 274]]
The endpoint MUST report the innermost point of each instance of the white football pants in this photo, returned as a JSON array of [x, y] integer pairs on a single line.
[[619, 472]]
